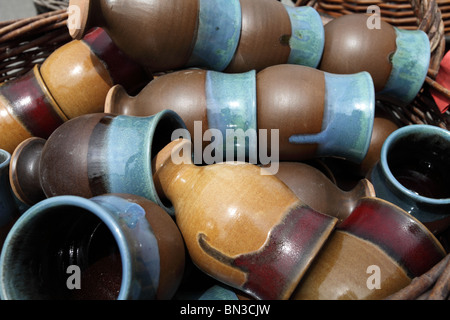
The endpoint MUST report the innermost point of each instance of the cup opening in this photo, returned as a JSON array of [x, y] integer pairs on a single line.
[[40, 252], [168, 123], [419, 163]]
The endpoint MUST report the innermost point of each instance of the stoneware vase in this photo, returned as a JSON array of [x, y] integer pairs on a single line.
[[289, 111], [243, 228], [9, 210], [72, 81], [231, 36], [319, 192], [413, 173], [397, 59], [80, 73], [382, 128], [374, 253], [113, 246], [91, 155]]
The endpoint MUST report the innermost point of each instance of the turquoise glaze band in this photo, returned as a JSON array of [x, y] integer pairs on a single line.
[[308, 36], [218, 34], [128, 157], [349, 113], [231, 109], [410, 64], [128, 154]]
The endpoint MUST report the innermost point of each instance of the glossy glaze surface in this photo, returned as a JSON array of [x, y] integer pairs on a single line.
[[126, 238], [379, 239], [238, 36], [397, 59], [27, 109], [211, 209], [300, 125]]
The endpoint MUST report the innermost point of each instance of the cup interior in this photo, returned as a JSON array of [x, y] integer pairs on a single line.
[[38, 256], [419, 162]]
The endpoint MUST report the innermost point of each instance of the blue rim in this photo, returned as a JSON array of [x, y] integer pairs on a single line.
[[392, 138], [92, 207]]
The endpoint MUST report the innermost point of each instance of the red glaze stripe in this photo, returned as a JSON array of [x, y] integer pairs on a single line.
[[121, 68], [285, 257], [31, 105], [398, 234]]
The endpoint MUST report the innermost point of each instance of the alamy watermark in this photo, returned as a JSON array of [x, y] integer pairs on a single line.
[[374, 20], [237, 145]]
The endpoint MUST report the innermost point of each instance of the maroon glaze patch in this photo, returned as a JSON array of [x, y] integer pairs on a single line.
[[285, 256], [121, 68], [397, 234], [31, 106]]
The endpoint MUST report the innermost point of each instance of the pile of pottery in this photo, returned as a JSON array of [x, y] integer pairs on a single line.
[[185, 149]]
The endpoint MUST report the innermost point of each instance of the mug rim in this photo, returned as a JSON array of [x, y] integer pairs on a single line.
[[93, 208], [395, 136]]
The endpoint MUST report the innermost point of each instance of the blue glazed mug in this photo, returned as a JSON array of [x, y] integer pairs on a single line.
[[113, 246], [93, 154], [413, 173]]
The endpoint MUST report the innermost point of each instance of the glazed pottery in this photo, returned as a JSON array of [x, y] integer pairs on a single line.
[[375, 252], [316, 190], [413, 173], [124, 247], [290, 111], [72, 81], [234, 35], [9, 210], [397, 59], [243, 228], [91, 155], [80, 73], [27, 109], [382, 128]]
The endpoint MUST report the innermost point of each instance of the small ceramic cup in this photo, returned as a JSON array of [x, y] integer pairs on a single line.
[[413, 173], [113, 246]]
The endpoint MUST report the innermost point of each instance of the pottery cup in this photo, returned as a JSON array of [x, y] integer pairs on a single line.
[[374, 253], [113, 246], [413, 173]]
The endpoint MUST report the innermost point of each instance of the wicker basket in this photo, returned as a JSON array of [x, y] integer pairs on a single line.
[[426, 16], [27, 42]]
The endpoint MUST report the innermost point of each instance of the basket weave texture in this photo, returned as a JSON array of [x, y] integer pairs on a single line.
[[27, 42]]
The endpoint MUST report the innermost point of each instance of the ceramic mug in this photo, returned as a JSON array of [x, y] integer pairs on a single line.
[[413, 173], [125, 246]]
